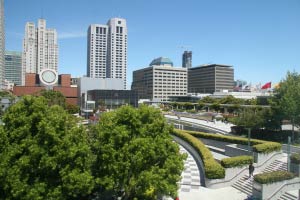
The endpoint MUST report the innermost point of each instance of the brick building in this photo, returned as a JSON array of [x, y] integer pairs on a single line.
[[34, 83]]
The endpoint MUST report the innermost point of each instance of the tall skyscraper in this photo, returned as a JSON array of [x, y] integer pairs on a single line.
[[97, 51], [2, 45], [40, 49], [13, 67], [107, 50], [187, 59]]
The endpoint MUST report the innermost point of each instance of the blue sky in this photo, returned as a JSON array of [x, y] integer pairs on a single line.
[[260, 38]]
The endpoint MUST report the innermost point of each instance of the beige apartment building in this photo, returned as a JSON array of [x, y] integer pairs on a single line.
[[160, 81]]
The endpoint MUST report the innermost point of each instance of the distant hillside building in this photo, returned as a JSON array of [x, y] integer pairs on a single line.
[[210, 78], [13, 67], [160, 81]]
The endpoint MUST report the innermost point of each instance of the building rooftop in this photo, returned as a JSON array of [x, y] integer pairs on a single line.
[[212, 65], [161, 61]]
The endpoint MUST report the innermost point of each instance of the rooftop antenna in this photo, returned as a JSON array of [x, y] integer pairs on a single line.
[[185, 47]]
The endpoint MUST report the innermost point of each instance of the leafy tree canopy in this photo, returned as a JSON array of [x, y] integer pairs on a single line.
[[286, 99], [54, 97], [43, 153], [136, 157]]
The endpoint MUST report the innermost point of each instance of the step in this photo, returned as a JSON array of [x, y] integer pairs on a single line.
[[243, 190], [288, 196]]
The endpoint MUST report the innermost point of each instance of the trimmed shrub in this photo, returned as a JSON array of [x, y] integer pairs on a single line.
[[260, 146], [272, 177], [236, 161], [213, 170], [267, 147], [295, 158]]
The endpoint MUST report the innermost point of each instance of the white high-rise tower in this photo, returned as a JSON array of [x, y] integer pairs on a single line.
[[97, 51], [107, 50], [40, 49], [2, 45]]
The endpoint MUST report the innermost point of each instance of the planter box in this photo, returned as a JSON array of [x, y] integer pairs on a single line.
[[295, 168], [231, 175], [261, 158], [274, 190]]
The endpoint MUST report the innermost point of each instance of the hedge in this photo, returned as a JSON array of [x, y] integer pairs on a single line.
[[260, 146], [267, 147], [236, 161], [295, 158], [213, 170], [275, 176]]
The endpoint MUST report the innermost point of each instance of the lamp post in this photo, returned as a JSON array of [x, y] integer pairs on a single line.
[[249, 136], [289, 154]]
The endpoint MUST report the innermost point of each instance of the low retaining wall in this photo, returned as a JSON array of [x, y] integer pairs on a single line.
[[231, 176], [235, 150], [295, 168], [262, 159], [215, 143], [274, 190]]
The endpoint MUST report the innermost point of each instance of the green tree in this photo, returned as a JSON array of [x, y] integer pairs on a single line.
[[44, 154], [285, 102], [136, 157], [72, 109], [54, 97], [250, 118]]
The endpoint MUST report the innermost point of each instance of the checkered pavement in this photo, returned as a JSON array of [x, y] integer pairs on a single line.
[[190, 176]]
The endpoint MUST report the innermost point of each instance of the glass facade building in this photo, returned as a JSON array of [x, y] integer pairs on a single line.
[[113, 98], [187, 59], [13, 67]]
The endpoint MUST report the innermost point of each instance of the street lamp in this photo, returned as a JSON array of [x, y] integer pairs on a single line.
[[249, 136]]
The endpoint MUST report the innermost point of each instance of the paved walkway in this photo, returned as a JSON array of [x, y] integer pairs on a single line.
[[226, 127], [190, 188]]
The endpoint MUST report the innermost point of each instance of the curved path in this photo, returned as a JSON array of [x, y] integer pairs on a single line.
[[190, 175]]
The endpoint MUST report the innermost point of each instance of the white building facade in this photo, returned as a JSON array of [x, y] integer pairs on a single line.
[[160, 81], [40, 49], [107, 50], [97, 51]]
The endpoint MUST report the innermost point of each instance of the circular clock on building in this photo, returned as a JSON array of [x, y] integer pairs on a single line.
[[48, 76]]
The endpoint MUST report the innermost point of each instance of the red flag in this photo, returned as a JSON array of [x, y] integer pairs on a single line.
[[266, 86]]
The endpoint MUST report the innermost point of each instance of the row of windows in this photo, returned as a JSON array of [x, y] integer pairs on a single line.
[[101, 30]]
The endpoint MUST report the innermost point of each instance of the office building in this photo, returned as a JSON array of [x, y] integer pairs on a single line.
[[2, 45], [112, 99], [107, 50], [160, 81], [187, 59], [40, 49], [210, 78], [13, 67]]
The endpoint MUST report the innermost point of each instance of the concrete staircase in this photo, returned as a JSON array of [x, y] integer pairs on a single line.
[[288, 196], [245, 183]]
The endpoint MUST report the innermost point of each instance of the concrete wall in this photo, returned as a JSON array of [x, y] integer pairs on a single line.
[[87, 83], [231, 176], [235, 150], [295, 168], [274, 190]]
